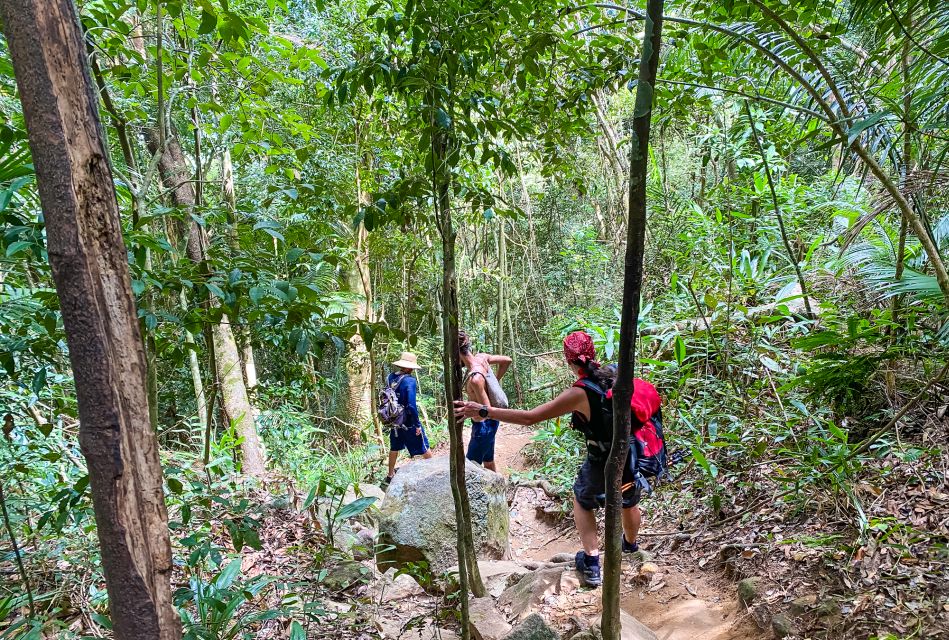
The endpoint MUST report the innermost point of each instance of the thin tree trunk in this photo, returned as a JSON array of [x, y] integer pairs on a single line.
[[90, 269], [195, 366], [237, 406], [248, 362], [467, 563], [359, 360], [777, 213], [235, 400], [905, 67], [502, 287], [632, 289]]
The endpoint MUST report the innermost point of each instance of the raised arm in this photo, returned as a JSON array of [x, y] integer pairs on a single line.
[[502, 362], [573, 399]]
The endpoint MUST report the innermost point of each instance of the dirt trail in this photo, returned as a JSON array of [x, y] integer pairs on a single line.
[[681, 602]]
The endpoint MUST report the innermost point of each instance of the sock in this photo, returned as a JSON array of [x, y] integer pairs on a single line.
[[591, 561]]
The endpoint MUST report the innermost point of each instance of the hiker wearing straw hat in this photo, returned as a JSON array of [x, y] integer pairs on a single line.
[[406, 431]]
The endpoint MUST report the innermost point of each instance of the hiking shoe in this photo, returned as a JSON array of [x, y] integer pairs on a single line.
[[388, 480], [630, 547], [589, 574]]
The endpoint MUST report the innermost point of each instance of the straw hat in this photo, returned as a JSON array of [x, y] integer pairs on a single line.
[[407, 361]]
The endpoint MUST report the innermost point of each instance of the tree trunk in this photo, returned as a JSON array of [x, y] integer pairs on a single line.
[[905, 68], [235, 400], [90, 269], [632, 289], [468, 566], [777, 213], [199, 396], [359, 398], [237, 406], [248, 361]]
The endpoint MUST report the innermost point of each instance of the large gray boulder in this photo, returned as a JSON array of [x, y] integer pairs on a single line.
[[417, 517]]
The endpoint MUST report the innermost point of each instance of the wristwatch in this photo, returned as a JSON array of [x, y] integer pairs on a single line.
[[483, 411]]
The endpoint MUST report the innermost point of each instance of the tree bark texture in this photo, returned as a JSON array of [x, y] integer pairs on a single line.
[[632, 289], [90, 269], [235, 400], [467, 563], [237, 405]]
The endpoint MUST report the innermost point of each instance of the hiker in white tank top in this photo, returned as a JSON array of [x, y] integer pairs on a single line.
[[484, 387]]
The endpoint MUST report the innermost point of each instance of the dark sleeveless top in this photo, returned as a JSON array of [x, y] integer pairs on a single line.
[[598, 434]]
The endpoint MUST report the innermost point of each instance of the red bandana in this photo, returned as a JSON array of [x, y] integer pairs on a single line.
[[578, 347]]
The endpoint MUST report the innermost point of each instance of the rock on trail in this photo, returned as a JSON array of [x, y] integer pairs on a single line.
[[417, 517]]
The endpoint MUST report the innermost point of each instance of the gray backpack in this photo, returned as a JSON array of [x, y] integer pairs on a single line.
[[391, 412], [496, 394]]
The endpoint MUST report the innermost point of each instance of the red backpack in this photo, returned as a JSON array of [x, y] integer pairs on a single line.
[[651, 458]]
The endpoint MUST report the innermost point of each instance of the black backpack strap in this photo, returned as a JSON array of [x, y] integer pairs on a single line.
[[594, 444], [586, 383]]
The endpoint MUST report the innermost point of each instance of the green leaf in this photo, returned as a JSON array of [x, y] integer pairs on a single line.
[[216, 290], [643, 99], [101, 620], [859, 127], [228, 575], [710, 468], [174, 485], [39, 380], [355, 507], [256, 294], [680, 352], [838, 433], [18, 247], [442, 119], [208, 22], [296, 631], [311, 497], [771, 364]]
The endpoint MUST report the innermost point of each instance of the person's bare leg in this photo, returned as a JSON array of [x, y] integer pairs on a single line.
[[586, 526], [393, 456], [491, 466], [632, 520], [427, 454]]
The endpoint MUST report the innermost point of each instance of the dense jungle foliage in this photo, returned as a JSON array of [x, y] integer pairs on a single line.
[[794, 308]]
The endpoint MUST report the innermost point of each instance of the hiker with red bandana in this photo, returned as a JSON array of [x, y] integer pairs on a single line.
[[589, 401]]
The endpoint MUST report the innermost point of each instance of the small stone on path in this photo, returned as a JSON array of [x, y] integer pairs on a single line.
[[485, 621], [782, 626], [533, 628], [394, 588], [633, 629], [802, 605], [529, 592], [748, 590], [641, 556]]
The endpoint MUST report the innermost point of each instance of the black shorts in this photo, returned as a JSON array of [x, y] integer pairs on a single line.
[[590, 486]]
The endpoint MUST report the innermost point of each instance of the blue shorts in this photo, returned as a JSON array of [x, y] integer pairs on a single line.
[[411, 438], [481, 445]]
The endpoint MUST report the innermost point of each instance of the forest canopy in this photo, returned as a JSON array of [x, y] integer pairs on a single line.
[[300, 192]]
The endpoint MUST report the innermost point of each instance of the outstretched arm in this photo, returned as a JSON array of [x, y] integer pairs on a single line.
[[503, 362], [571, 400]]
